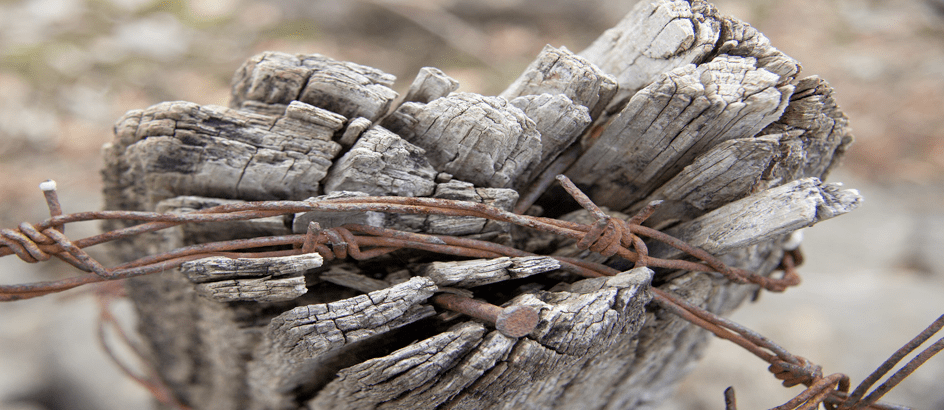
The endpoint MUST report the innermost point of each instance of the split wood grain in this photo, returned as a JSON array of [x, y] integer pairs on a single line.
[[468, 367], [558, 71], [817, 133], [763, 216], [180, 148], [559, 121], [381, 164], [430, 83], [257, 279], [354, 129], [666, 125], [482, 140], [730, 171], [659, 36], [654, 38], [349, 89], [298, 345], [478, 272]]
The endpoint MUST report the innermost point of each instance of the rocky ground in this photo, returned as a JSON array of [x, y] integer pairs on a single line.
[[874, 278]]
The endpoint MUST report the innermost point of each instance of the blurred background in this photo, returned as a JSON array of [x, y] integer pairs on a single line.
[[873, 278]]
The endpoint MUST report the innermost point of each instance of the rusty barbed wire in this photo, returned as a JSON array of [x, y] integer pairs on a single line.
[[607, 236]]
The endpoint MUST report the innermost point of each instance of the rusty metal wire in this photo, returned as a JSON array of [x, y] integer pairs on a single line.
[[607, 236], [151, 379]]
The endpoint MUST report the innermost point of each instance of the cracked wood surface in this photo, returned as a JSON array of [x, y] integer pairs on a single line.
[[271, 80], [301, 347], [483, 140], [763, 216], [558, 119], [430, 83], [670, 122], [558, 71], [181, 148], [470, 367], [677, 103], [272, 279], [471, 273]]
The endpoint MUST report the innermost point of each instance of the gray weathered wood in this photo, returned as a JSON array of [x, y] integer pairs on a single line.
[[355, 128], [222, 231], [709, 118], [659, 36], [559, 121], [765, 215], [265, 289], [349, 89], [654, 38], [666, 125], [738, 38], [259, 279], [180, 148], [353, 280], [817, 133], [434, 224], [468, 367], [299, 341], [430, 83], [477, 272], [483, 140], [730, 171], [558, 71], [381, 163]]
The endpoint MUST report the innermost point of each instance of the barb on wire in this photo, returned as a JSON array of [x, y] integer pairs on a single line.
[[607, 236]]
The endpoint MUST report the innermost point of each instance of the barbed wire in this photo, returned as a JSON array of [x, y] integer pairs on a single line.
[[607, 236]]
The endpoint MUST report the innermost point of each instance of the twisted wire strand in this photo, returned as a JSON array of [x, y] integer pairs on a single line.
[[607, 236]]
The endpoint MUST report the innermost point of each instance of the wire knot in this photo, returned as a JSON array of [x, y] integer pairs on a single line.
[[604, 237], [24, 242], [331, 243], [805, 372], [32, 245]]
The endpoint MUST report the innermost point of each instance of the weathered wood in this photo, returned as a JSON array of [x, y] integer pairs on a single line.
[[353, 131], [470, 368], [659, 36], [381, 163], [738, 38], [353, 280], [559, 121], [706, 119], [558, 71], [299, 345], [730, 171], [260, 279], [222, 231], [478, 272], [434, 224], [817, 133], [666, 125], [763, 216], [349, 89], [430, 83], [180, 148], [654, 38], [483, 140]]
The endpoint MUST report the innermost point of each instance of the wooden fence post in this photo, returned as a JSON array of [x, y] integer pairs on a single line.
[[677, 103]]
